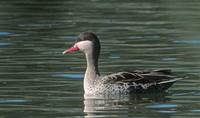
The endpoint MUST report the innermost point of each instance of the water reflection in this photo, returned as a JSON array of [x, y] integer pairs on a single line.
[[127, 105]]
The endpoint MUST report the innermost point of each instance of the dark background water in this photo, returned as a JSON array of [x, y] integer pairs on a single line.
[[37, 81]]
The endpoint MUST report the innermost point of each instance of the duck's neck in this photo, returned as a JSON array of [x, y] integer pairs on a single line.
[[92, 72]]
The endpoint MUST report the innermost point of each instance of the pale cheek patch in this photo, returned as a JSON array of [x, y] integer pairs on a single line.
[[84, 45]]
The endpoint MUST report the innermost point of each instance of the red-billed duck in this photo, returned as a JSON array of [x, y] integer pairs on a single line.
[[137, 81]]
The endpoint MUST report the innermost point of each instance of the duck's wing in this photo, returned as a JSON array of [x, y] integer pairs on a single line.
[[139, 76], [142, 81], [122, 77]]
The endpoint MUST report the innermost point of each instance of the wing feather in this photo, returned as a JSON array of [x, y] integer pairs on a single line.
[[139, 77]]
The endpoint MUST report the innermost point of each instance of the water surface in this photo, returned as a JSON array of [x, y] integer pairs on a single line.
[[37, 81]]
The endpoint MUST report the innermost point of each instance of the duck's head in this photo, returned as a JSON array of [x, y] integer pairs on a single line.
[[87, 42]]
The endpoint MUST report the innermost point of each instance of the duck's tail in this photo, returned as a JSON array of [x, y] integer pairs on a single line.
[[170, 81]]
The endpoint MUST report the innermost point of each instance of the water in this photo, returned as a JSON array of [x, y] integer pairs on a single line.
[[37, 81]]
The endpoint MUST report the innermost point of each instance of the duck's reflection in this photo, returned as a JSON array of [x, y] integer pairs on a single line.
[[122, 105]]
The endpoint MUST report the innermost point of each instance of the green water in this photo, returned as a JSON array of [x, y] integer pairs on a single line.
[[37, 81]]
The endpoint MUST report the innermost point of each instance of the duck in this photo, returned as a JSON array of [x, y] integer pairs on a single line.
[[125, 82]]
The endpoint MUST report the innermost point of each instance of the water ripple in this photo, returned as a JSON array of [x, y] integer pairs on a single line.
[[13, 101], [114, 56], [167, 111], [70, 75], [192, 42], [4, 44], [196, 110], [162, 106], [5, 33]]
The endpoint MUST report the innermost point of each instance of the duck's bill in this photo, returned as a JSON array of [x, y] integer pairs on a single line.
[[70, 50]]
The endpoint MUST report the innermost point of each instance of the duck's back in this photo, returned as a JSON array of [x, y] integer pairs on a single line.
[[140, 81]]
